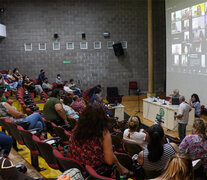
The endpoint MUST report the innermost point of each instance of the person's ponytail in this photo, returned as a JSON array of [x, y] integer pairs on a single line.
[[155, 146]]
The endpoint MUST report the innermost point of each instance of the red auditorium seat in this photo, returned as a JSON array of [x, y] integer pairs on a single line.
[[28, 141], [46, 151], [65, 163], [133, 86], [93, 174], [131, 148]]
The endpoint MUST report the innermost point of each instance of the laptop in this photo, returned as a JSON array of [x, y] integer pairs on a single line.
[[175, 101]]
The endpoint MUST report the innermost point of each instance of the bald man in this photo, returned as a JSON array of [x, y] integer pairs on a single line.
[[182, 117]]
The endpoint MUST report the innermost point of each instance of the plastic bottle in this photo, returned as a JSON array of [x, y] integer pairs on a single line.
[[121, 178]]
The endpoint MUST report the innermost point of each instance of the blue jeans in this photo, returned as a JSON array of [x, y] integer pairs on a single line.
[[5, 142], [13, 85], [35, 121], [182, 130]]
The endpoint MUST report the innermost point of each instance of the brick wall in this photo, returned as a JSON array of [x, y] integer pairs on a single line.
[[30, 21]]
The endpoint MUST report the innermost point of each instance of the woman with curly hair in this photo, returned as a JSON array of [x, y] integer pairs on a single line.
[[91, 143]]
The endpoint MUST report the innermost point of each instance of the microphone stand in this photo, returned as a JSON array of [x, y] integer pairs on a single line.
[[138, 103]]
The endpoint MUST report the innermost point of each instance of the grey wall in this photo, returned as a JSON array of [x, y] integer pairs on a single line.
[[30, 21]]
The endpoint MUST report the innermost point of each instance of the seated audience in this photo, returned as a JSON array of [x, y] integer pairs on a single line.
[[18, 76], [155, 157], [66, 106], [67, 89], [30, 86], [77, 104], [132, 135], [3, 83], [195, 144], [46, 85], [96, 96], [53, 110], [179, 167], [90, 142], [59, 81], [195, 103], [41, 77], [5, 142], [7, 111], [93, 90], [11, 80], [73, 86]]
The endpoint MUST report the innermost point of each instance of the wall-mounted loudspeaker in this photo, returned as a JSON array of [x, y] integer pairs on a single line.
[[83, 35], [118, 49], [56, 35]]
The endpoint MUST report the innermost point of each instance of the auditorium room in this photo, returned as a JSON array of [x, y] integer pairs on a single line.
[[103, 89]]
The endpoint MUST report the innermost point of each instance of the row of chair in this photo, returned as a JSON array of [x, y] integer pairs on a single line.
[[54, 157]]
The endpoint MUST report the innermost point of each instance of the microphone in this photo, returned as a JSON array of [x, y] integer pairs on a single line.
[[175, 114]]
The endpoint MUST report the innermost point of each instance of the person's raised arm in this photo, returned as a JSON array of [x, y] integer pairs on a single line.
[[107, 148], [14, 112], [59, 109]]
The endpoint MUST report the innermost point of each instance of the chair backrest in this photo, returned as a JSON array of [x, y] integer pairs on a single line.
[[125, 160], [14, 131], [28, 141], [133, 85], [151, 174], [61, 132], [71, 121], [131, 148], [93, 174], [50, 128], [116, 141], [112, 92], [65, 163], [46, 151]]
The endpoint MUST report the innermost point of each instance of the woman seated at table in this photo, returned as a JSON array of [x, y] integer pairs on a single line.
[[132, 135], [195, 103]]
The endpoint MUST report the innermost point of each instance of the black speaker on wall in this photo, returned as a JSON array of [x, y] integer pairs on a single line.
[[118, 49]]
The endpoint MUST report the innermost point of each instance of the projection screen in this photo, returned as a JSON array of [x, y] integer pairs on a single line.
[[186, 32]]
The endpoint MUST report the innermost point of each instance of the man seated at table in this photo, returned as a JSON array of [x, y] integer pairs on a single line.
[[175, 94]]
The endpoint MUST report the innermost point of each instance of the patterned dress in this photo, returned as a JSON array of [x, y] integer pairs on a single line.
[[196, 147], [90, 153]]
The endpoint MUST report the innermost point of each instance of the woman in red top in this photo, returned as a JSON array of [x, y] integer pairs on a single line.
[[90, 143]]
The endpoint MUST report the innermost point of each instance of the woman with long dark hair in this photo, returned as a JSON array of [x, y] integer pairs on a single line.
[[155, 157], [90, 143], [195, 103]]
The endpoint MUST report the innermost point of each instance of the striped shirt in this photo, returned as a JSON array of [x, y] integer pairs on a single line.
[[168, 151]]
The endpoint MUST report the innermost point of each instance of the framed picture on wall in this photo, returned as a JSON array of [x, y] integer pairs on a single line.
[[56, 46], [97, 45], [28, 46], [83, 45], [42, 46], [70, 45], [110, 44]]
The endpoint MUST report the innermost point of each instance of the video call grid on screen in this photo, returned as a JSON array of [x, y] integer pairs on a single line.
[[186, 36]]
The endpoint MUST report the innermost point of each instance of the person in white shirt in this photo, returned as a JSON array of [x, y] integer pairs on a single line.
[[132, 135], [59, 81], [67, 89], [182, 116]]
